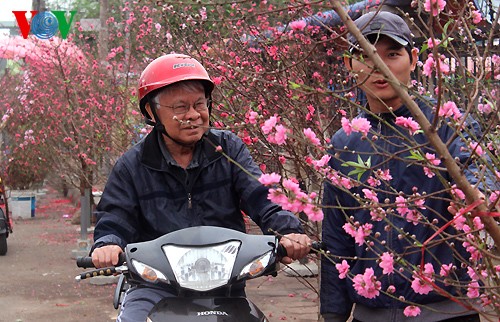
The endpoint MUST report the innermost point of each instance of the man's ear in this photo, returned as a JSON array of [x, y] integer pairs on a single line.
[[348, 62], [414, 56]]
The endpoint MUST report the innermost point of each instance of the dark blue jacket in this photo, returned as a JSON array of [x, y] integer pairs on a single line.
[[391, 152], [148, 195]]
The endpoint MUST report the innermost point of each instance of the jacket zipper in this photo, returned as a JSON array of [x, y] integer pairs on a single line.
[[190, 201]]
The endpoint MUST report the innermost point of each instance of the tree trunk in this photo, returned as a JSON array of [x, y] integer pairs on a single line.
[[103, 31], [38, 5]]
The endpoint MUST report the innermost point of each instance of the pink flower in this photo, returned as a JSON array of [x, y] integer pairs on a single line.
[[411, 310], [432, 160], [280, 136], [428, 172], [384, 174], [292, 185], [270, 179], [252, 117], [420, 286], [450, 109], [362, 232], [387, 263], [370, 194], [360, 124], [401, 205], [359, 234], [311, 136], [313, 212], [349, 229], [429, 66], [444, 67], [459, 221], [298, 25], [413, 216], [277, 196], [346, 125], [476, 148], [322, 162], [476, 17], [457, 192], [431, 42], [373, 182], [367, 285], [431, 157], [485, 108], [472, 273], [409, 123], [445, 269], [343, 269], [434, 6], [473, 290], [377, 213], [494, 196], [269, 124]]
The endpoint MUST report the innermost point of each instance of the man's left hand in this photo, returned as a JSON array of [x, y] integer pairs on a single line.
[[297, 246]]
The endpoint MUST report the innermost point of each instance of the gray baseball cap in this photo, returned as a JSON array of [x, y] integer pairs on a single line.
[[383, 23]]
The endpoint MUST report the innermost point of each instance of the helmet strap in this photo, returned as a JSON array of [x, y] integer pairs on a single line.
[[159, 126]]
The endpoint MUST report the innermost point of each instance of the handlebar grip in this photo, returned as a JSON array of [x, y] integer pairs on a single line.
[[316, 246], [281, 251], [84, 262]]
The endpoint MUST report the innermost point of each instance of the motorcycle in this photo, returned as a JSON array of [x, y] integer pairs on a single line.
[[194, 263], [5, 220]]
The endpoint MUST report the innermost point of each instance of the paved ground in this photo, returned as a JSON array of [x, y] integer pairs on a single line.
[[37, 276]]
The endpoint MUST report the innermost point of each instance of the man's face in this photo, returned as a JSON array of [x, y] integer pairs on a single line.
[[373, 83], [184, 114]]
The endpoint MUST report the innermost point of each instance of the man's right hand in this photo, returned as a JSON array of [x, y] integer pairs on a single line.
[[106, 256]]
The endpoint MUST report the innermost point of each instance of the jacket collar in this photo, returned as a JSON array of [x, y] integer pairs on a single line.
[[402, 111], [152, 157]]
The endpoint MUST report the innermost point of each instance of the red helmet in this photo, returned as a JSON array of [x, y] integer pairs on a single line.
[[169, 69]]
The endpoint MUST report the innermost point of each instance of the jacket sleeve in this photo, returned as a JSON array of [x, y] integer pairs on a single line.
[[460, 151], [118, 210], [336, 304], [254, 202]]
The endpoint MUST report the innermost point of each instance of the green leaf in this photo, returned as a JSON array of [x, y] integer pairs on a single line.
[[424, 48], [416, 155], [445, 28], [360, 167]]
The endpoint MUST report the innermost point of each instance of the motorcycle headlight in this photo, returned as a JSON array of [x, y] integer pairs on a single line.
[[256, 267], [202, 268], [148, 273]]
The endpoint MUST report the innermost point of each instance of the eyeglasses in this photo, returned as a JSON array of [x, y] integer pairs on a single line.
[[200, 106]]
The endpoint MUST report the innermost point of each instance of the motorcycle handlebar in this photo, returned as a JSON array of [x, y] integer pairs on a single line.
[[86, 261]]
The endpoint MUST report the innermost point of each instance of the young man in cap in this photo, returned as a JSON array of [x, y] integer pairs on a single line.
[[391, 296]]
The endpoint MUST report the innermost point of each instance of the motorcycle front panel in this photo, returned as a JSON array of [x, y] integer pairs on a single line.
[[218, 309]]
